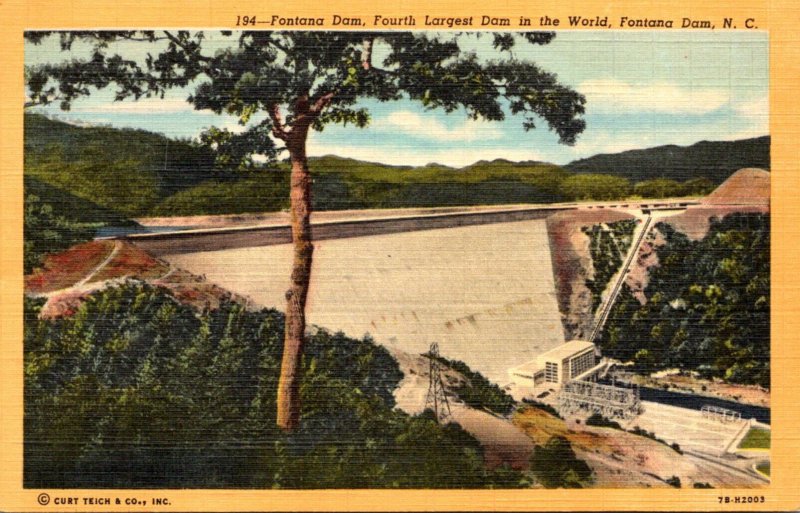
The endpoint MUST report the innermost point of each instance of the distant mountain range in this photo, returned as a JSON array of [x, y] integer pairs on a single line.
[[136, 173], [715, 160]]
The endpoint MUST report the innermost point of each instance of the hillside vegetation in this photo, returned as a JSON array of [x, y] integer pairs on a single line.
[[707, 306], [608, 245], [127, 171], [714, 160], [151, 394], [135, 173], [54, 220]]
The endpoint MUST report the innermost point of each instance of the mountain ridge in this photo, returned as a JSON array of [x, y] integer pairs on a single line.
[[715, 160]]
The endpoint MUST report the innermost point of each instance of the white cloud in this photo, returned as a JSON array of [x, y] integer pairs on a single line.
[[143, 106], [756, 111], [231, 124], [412, 156], [429, 127], [610, 95]]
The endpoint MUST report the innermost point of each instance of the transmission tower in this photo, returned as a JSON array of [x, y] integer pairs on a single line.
[[437, 399]]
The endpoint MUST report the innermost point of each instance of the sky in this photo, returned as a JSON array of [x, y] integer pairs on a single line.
[[642, 88]]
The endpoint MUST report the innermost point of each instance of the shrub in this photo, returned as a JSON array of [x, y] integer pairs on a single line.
[[598, 420], [479, 392], [542, 406], [555, 465]]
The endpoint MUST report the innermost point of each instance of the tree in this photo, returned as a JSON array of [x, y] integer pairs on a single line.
[[306, 80], [555, 465]]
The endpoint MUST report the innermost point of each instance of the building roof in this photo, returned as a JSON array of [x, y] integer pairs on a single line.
[[557, 353], [567, 349], [526, 369]]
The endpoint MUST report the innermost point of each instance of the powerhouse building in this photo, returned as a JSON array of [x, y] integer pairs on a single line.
[[557, 366]]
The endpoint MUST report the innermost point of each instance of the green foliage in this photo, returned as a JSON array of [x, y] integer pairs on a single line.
[[479, 392], [658, 188], [652, 436], [76, 209], [764, 468], [263, 71], [697, 187], [125, 171], [543, 406], [262, 191], [756, 438], [708, 305], [370, 185], [714, 161], [608, 246], [55, 220], [136, 390], [103, 173], [47, 232], [666, 188], [595, 187], [597, 419], [555, 465], [702, 485]]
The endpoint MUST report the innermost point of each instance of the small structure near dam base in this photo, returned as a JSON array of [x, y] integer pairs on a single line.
[[720, 414], [571, 370], [579, 397], [553, 368]]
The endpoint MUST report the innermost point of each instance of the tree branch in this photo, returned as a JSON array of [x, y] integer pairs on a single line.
[[321, 102], [185, 48], [366, 54], [278, 128], [141, 39]]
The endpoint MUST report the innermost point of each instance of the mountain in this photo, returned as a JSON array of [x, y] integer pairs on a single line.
[[127, 171], [715, 160], [138, 174]]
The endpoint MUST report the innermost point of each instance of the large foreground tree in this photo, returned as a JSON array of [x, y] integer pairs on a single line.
[[304, 81]]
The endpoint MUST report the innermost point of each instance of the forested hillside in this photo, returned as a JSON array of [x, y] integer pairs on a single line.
[[137, 174], [708, 305], [712, 160], [54, 220], [127, 171], [135, 390]]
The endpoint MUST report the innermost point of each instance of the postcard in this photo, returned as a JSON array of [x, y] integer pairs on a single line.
[[415, 257]]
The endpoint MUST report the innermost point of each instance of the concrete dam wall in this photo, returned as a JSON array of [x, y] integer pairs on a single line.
[[482, 286]]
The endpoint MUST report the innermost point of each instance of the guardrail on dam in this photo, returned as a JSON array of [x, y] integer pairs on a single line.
[[191, 241]]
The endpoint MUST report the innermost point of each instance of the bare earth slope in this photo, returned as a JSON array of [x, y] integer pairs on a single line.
[[749, 186], [572, 265]]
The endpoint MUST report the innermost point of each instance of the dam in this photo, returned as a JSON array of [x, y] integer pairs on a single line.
[[482, 287]]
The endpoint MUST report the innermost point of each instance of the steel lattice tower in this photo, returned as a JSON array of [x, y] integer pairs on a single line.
[[437, 398]]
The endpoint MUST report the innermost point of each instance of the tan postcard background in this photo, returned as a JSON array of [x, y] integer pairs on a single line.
[[780, 19]]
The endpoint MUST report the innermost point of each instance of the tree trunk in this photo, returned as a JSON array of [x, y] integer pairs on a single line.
[[291, 366]]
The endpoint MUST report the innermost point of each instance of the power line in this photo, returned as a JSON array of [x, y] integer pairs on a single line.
[[437, 398]]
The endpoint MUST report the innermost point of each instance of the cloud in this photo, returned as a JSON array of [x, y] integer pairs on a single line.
[[429, 127], [756, 112], [610, 95], [143, 106]]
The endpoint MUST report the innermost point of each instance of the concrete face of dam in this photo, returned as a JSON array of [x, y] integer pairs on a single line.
[[485, 293]]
